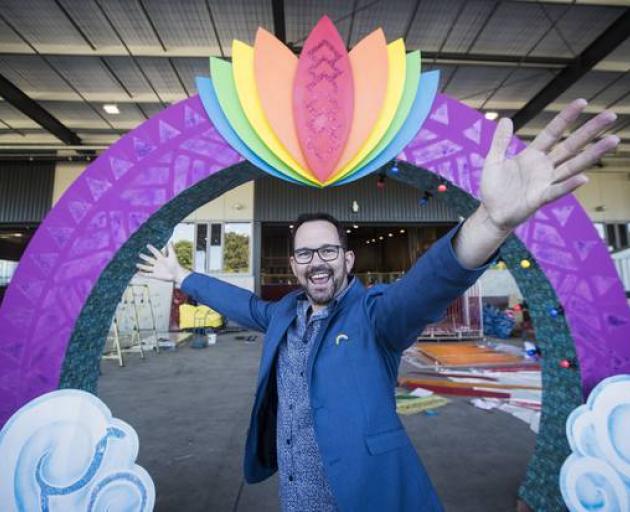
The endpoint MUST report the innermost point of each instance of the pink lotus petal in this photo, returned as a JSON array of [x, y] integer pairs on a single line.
[[323, 99]]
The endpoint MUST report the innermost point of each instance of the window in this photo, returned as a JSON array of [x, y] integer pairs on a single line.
[[7, 269], [617, 235], [215, 262], [236, 247], [182, 239], [201, 247]]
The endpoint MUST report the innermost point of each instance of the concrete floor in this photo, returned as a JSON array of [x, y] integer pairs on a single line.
[[191, 409]]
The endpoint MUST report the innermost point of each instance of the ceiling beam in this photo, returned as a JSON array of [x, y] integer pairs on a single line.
[[279, 21], [610, 38], [482, 59], [37, 113]]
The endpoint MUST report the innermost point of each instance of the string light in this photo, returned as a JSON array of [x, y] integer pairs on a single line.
[[525, 263], [394, 169], [380, 184], [556, 311]]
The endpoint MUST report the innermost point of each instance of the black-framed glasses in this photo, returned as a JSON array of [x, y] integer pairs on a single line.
[[325, 253]]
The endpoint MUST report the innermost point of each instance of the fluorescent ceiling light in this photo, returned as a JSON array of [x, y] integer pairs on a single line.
[[111, 108]]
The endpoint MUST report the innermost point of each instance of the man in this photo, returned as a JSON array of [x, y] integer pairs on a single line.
[[325, 413]]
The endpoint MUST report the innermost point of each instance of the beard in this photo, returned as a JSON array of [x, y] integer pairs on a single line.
[[320, 291]]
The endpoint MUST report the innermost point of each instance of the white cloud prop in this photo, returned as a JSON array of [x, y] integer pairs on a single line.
[[63, 451], [596, 476]]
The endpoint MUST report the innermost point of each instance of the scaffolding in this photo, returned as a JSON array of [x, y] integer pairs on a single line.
[[463, 320], [135, 301]]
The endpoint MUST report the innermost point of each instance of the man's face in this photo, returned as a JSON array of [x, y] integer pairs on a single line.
[[321, 279]]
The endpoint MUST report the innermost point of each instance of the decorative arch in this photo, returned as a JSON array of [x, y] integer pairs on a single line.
[[57, 310]]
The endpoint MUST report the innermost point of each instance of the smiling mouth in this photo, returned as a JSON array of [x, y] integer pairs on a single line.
[[320, 278]]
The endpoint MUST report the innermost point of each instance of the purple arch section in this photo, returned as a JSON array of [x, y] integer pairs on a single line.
[[452, 143], [178, 148], [110, 200]]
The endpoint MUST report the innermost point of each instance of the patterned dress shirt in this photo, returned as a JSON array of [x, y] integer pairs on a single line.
[[303, 483]]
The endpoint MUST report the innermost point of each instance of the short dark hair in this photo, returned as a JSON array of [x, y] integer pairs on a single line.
[[310, 217]]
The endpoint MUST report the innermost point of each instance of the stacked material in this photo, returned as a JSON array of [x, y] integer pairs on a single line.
[[493, 378], [466, 354], [516, 392], [417, 400]]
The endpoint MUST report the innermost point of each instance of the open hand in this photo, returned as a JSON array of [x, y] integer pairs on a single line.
[[162, 266], [513, 189]]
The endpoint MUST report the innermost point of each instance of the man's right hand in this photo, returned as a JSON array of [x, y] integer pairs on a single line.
[[162, 266]]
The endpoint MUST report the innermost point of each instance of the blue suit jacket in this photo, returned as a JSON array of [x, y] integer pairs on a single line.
[[368, 458]]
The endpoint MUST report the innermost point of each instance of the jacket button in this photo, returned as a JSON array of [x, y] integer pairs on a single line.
[[290, 478]]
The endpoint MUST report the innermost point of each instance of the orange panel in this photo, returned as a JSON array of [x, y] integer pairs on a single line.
[[370, 68], [274, 67]]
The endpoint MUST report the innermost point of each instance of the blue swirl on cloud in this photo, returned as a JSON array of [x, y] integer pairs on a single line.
[[64, 451], [596, 476]]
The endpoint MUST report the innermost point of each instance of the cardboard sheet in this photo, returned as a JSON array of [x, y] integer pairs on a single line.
[[244, 80], [212, 107], [274, 69], [225, 88], [420, 109], [370, 66], [323, 99], [393, 94]]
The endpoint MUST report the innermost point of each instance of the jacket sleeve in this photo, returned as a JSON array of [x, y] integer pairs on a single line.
[[234, 302], [400, 311]]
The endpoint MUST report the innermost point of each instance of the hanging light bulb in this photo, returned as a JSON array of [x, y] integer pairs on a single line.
[[380, 184], [525, 263], [394, 169], [442, 187]]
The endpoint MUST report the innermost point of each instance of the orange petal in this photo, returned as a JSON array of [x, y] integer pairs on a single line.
[[274, 67], [370, 71]]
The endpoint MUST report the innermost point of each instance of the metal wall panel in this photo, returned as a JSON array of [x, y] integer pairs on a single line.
[[25, 191], [279, 201]]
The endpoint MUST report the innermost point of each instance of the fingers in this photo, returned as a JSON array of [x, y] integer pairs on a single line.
[[155, 252], [500, 140], [585, 159], [580, 138], [554, 130], [148, 259], [558, 190], [147, 269]]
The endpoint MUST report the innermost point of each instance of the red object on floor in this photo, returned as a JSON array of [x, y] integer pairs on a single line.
[[443, 390]]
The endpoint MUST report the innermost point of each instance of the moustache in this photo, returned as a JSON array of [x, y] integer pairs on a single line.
[[319, 269]]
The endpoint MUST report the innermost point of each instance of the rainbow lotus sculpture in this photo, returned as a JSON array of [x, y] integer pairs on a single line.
[[326, 118]]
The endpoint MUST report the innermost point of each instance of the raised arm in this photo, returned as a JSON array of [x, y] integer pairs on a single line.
[[234, 302], [512, 190], [400, 311]]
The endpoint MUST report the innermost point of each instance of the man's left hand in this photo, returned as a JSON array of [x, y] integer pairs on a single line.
[[513, 189]]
